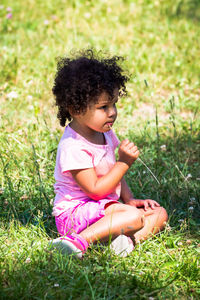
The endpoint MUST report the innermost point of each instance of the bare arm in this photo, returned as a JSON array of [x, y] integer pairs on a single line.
[[128, 198], [97, 187], [126, 194]]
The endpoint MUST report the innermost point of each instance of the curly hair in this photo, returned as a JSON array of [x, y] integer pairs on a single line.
[[80, 80]]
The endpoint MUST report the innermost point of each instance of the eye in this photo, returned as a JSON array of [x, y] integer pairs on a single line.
[[103, 107]]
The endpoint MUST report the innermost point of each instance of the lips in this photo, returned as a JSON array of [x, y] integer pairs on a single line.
[[109, 124]]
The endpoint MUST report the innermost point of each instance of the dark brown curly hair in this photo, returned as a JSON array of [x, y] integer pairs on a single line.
[[81, 79]]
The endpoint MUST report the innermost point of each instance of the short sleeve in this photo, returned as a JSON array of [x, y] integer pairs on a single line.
[[73, 158]]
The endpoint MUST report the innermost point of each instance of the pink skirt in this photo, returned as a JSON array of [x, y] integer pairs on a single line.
[[78, 218]]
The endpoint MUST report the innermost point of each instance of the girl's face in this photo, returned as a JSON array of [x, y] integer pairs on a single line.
[[99, 116]]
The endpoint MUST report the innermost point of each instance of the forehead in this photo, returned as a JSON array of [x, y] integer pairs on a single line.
[[105, 97]]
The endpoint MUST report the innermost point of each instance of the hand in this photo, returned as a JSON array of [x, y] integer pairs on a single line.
[[146, 204], [128, 152]]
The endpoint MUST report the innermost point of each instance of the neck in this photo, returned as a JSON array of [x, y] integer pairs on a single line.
[[92, 136]]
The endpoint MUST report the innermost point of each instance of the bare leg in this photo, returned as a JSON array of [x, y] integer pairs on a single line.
[[128, 220], [155, 221], [118, 219]]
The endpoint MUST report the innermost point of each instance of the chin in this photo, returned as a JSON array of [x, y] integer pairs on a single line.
[[107, 130]]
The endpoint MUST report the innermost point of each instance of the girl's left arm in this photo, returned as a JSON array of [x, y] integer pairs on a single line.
[[126, 194], [128, 198]]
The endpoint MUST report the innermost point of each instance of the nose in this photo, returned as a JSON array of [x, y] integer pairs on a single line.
[[112, 111]]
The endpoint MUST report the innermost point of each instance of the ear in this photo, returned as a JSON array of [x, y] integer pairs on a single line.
[[70, 112], [74, 115]]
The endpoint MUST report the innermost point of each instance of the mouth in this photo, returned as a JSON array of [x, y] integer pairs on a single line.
[[109, 124]]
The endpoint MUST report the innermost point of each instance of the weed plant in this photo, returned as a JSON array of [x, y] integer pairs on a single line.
[[161, 115]]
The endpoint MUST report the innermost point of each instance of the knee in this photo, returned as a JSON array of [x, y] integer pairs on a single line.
[[163, 216], [136, 219], [141, 218]]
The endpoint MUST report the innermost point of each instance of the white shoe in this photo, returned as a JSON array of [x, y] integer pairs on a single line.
[[122, 245], [73, 244]]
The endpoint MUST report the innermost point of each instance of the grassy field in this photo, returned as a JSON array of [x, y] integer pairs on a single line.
[[160, 40]]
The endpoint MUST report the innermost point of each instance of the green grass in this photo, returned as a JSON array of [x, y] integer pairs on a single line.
[[161, 115]]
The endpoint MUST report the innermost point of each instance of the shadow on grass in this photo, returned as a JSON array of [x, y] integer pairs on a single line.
[[98, 276], [173, 158]]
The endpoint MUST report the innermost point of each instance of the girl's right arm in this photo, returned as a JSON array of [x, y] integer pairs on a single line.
[[97, 187]]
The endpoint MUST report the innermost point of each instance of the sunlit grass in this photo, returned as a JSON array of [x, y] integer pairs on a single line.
[[160, 40]]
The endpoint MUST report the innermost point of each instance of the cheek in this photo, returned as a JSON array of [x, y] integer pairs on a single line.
[[99, 115]]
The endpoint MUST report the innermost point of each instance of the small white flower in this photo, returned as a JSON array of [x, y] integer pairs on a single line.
[[177, 63], [46, 22], [168, 227], [192, 199], [87, 15], [30, 82], [144, 172], [12, 95], [29, 97], [56, 285], [181, 220], [141, 273], [163, 148], [180, 243], [28, 260], [191, 208], [188, 176], [31, 107]]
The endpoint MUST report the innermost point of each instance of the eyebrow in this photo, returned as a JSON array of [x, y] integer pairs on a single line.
[[103, 103], [107, 102]]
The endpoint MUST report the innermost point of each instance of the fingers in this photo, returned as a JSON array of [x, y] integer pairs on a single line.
[[125, 142], [129, 147], [128, 152], [128, 144], [151, 203], [146, 205], [154, 203]]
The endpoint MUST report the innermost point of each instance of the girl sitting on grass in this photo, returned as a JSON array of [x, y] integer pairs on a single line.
[[89, 181]]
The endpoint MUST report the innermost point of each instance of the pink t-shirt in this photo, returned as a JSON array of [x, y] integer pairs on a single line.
[[75, 152]]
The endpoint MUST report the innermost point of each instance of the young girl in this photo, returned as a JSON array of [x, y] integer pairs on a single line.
[[93, 201]]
